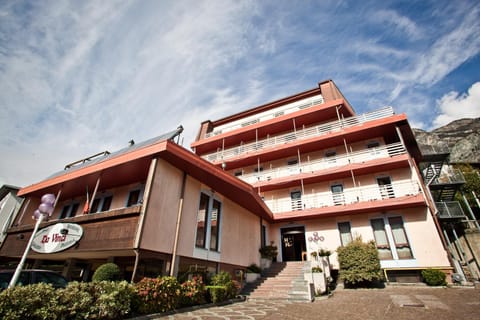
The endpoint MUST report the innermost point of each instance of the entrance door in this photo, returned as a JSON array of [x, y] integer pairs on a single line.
[[293, 243]]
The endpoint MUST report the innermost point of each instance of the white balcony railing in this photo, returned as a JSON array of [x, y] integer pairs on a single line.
[[289, 108], [326, 163], [300, 134], [348, 196]]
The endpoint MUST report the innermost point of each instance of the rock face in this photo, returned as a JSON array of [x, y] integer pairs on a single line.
[[460, 137]]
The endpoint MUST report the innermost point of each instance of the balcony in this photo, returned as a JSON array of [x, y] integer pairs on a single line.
[[301, 134], [449, 176], [449, 210], [347, 197], [325, 163], [271, 114]]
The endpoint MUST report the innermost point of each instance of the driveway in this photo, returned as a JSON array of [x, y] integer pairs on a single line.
[[392, 303]]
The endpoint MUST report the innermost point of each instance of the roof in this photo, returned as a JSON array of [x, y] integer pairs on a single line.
[[5, 189], [135, 160]]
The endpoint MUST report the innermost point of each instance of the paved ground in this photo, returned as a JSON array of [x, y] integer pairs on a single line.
[[393, 303]]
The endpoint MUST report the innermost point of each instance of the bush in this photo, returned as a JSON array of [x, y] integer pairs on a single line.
[[317, 269], [193, 292], [217, 293], [158, 294], [269, 252], [434, 277], [36, 301], [359, 263], [224, 279], [79, 300], [107, 272], [253, 268]]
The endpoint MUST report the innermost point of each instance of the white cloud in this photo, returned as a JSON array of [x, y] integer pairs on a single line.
[[453, 106], [401, 23]]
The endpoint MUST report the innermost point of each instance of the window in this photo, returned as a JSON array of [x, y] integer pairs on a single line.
[[133, 198], [345, 233], [69, 210], [331, 156], [208, 223], [101, 204], [384, 252], [214, 225], [390, 233], [202, 220], [400, 238], [238, 173]]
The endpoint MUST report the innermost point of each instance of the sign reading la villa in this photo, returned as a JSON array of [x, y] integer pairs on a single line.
[[57, 237]]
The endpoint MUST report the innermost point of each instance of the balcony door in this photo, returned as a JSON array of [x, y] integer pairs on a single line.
[[385, 187], [337, 194], [296, 200], [293, 243]]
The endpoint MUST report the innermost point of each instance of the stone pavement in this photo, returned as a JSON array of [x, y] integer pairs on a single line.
[[392, 303]]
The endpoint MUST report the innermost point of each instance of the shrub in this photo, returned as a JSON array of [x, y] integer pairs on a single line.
[[107, 272], [158, 294], [268, 252], [434, 277], [359, 263], [253, 268], [224, 279], [217, 293], [317, 269], [36, 301], [193, 292]]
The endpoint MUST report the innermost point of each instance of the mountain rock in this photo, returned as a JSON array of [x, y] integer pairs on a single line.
[[460, 137]]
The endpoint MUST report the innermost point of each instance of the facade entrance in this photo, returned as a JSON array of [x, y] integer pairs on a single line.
[[293, 243]]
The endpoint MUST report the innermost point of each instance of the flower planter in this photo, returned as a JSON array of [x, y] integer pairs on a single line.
[[265, 263], [251, 277]]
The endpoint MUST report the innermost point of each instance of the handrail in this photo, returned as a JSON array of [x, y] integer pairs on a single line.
[[300, 134], [289, 108], [326, 162], [348, 196]]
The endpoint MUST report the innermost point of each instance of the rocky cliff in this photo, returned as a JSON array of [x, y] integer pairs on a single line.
[[460, 137]]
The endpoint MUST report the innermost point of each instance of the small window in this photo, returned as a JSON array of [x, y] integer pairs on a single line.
[[133, 198], [107, 201], [94, 206], [69, 210], [292, 162], [258, 169], [345, 233], [331, 156], [238, 173], [214, 225]]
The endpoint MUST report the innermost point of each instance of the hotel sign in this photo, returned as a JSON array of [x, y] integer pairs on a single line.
[[57, 237]]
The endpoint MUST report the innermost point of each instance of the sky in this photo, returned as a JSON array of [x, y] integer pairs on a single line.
[[81, 77]]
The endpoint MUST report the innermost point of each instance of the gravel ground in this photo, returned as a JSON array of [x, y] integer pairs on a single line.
[[396, 303], [392, 303]]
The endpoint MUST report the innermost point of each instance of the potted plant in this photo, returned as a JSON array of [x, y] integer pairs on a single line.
[[268, 253], [252, 273]]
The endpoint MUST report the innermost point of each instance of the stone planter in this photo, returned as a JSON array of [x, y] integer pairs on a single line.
[[251, 277], [265, 263], [318, 281]]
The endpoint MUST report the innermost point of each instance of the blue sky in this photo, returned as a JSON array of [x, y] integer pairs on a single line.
[[81, 77]]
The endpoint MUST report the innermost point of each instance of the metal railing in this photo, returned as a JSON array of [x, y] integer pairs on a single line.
[[348, 196], [318, 130], [289, 108], [326, 163], [449, 176], [449, 209]]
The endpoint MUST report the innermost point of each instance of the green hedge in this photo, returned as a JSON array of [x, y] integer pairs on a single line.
[[87, 300], [434, 277], [105, 300], [107, 272], [359, 263]]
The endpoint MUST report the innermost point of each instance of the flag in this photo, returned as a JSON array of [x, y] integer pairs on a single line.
[[86, 207]]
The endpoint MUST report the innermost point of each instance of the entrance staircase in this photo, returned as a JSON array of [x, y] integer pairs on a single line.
[[282, 281]]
